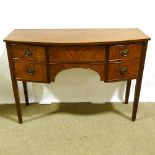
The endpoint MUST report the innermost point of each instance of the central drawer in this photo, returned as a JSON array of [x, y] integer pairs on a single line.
[[63, 54]]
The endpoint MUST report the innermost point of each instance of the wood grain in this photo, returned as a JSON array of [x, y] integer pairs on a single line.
[[133, 50], [114, 73], [76, 36], [14, 84], [76, 54], [19, 52], [39, 71], [138, 82]]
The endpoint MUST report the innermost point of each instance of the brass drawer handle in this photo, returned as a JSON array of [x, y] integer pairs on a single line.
[[28, 53], [30, 71], [125, 53], [123, 70]]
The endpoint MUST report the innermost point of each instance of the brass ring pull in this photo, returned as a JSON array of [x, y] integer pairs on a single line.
[[30, 71], [125, 53], [123, 70], [28, 53]]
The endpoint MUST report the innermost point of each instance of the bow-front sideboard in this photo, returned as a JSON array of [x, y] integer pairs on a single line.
[[38, 55]]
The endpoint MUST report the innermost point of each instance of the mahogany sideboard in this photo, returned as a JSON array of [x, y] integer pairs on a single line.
[[38, 55]]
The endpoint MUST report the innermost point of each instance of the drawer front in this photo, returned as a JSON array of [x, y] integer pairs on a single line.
[[25, 52], [123, 70], [75, 54], [30, 71], [125, 51], [98, 67]]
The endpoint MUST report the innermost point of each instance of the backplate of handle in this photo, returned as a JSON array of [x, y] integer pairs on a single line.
[[28, 53], [125, 52], [123, 70], [30, 71]]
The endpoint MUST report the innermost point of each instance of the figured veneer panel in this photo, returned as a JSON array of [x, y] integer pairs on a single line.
[[127, 51], [27, 71], [98, 67], [28, 52], [76, 54], [118, 71]]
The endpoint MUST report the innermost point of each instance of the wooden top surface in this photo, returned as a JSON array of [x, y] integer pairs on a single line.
[[76, 36]]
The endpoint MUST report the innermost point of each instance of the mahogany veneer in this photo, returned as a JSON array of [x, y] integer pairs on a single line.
[[39, 55], [60, 54]]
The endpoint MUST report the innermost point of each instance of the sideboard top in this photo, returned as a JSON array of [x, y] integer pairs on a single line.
[[76, 36]]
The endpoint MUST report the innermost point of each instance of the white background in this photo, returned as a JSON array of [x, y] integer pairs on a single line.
[[77, 84]]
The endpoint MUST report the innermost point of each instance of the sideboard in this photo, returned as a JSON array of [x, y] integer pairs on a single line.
[[38, 55]]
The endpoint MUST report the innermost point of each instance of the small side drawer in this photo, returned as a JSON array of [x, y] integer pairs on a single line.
[[76, 54], [125, 51], [123, 70], [30, 71], [26, 52]]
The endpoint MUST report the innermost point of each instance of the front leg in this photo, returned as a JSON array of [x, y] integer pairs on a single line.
[[14, 84], [138, 83], [136, 98]]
